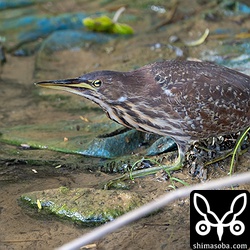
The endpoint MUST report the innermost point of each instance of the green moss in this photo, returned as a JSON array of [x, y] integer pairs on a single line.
[[64, 190], [84, 206]]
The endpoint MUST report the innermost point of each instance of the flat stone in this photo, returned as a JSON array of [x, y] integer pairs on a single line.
[[84, 206]]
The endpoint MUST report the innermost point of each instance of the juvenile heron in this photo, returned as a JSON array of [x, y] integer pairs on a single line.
[[186, 100]]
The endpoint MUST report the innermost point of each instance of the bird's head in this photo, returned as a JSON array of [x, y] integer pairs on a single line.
[[99, 86], [102, 87]]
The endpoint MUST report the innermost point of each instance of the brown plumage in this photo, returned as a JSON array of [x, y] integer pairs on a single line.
[[185, 100]]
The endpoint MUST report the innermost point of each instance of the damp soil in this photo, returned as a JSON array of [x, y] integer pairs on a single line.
[[24, 229], [23, 171]]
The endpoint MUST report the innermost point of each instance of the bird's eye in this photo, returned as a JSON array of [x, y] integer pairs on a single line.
[[97, 83]]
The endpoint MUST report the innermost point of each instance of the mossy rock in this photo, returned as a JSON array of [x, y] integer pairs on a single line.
[[84, 206]]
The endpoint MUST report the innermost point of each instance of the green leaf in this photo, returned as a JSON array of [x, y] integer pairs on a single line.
[[105, 24], [122, 29], [100, 24]]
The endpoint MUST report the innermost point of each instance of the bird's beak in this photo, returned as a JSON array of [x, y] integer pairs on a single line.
[[75, 85]]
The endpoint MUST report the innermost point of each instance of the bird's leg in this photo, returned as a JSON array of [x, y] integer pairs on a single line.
[[147, 171], [235, 152]]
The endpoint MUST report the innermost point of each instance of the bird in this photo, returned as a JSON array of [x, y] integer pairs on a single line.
[[181, 99]]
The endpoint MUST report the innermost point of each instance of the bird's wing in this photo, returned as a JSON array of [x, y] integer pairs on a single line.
[[209, 99]]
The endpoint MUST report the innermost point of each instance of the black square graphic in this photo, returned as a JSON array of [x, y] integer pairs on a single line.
[[219, 219]]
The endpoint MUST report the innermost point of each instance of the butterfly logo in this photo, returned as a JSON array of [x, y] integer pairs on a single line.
[[203, 227]]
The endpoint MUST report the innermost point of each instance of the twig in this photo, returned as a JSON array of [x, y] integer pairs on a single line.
[[117, 14], [200, 40], [169, 18]]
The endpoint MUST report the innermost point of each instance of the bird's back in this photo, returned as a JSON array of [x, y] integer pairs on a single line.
[[199, 99]]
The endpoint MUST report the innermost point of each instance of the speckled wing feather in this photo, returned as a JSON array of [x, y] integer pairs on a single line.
[[209, 99]]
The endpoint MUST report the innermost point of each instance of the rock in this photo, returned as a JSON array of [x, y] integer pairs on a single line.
[[84, 206]]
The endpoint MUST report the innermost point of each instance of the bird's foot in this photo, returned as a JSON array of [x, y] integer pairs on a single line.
[[144, 172], [235, 152]]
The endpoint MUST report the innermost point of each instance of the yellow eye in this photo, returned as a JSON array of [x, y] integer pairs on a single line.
[[97, 83]]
